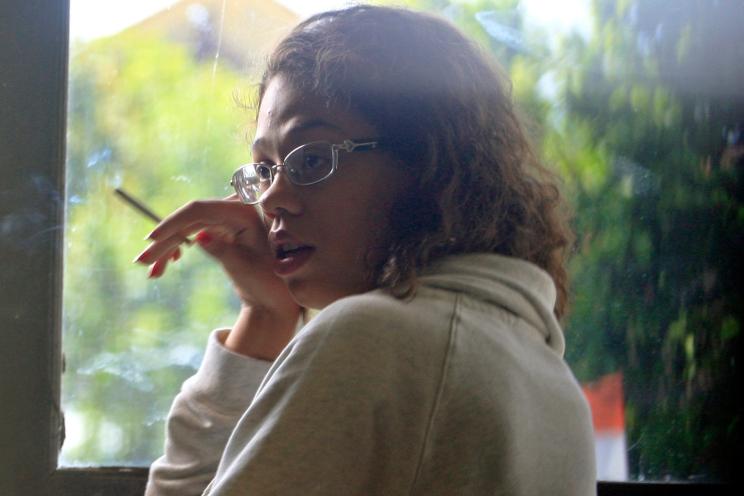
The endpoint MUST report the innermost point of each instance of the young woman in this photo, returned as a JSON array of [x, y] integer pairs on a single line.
[[393, 188]]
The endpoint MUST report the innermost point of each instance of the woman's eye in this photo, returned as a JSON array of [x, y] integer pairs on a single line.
[[311, 162], [263, 172]]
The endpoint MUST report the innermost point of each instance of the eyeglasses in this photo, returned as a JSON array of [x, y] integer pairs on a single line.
[[307, 164]]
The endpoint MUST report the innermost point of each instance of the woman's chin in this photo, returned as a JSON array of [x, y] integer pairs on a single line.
[[307, 294], [317, 295]]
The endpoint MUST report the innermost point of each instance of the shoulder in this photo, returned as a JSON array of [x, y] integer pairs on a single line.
[[357, 320], [376, 328], [374, 309], [378, 314]]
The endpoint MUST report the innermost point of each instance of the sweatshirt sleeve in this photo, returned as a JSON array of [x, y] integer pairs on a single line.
[[202, 417], [341, 412]]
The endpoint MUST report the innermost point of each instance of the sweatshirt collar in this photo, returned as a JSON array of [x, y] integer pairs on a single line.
[[520, 287]]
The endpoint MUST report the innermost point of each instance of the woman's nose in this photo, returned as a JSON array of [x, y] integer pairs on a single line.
[[280, 196]]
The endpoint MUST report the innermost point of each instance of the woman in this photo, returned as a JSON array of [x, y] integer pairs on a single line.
[[394, 190]]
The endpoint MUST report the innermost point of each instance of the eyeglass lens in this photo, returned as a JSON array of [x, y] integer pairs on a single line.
[[307, 164]]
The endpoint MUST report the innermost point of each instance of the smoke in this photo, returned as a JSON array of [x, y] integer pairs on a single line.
[[492, 22], [33, 223]]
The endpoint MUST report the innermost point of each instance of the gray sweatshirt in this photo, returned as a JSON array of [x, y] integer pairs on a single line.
[[461, 390]]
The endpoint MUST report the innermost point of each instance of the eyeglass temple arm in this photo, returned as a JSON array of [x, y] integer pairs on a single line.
[[360, 145]]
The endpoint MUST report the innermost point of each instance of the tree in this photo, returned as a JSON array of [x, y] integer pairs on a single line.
[[146, 116], [644, 127], [660, 232]]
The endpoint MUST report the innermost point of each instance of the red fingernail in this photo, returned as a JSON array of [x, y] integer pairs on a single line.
[[203, 238], [155, 271], [139, 257]]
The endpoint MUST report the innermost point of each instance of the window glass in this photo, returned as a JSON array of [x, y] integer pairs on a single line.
[[636, 105], [155, 108]]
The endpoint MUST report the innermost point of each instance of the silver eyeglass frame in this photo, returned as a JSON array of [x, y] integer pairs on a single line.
[[347, 145]]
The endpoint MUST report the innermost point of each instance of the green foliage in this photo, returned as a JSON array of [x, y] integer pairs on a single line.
[[657, 260], [634, 129], [145, 116]]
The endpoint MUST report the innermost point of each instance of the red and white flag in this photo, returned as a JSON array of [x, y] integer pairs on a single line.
[[605, 397]]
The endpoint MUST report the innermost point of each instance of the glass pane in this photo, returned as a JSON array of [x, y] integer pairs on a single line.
[[152, 110], [636, 105], [639, 109]]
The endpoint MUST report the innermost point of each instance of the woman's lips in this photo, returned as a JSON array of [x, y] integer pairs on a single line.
[[290, 261]]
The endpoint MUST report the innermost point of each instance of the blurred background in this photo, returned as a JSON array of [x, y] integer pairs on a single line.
[[638, 105]]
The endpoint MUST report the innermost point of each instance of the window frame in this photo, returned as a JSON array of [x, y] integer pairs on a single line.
[[33, 55], [33, 98]]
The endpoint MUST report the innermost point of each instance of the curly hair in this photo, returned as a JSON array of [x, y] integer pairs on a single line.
[[445, 111]]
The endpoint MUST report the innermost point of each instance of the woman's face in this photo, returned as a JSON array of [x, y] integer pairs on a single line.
[[324, 235]]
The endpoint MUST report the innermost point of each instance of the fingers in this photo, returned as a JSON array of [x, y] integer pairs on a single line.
[[163, 248], [221, 218], [157, 269], [225, 213], [236, 259], [217, 222]]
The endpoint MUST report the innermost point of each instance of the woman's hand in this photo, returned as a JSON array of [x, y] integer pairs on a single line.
[[235, 235]]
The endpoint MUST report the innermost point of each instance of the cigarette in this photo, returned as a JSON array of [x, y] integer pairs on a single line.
[[138, 205], [142, 208]]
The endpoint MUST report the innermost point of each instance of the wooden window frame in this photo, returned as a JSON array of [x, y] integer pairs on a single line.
[[33, 91]]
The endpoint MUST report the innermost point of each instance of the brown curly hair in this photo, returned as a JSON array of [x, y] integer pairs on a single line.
[[445, 111]]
